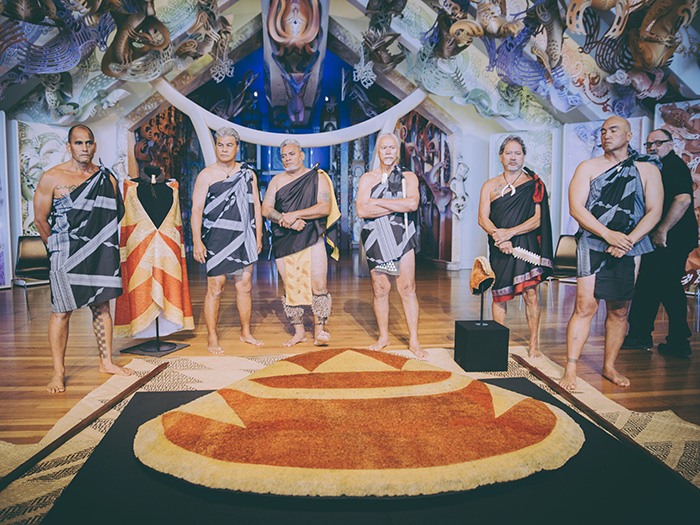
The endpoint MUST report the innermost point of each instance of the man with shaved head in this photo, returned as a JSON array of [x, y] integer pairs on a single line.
[[617, 199], [661, 271], [77, 209]]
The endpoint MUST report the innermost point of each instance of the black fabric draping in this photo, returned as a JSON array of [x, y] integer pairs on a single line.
[[84, 244], [228, 225], [300, 194], [513, 275], [388, 237]]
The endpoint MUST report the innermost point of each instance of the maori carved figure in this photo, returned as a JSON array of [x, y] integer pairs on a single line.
[[137, 35], [654, 43], [574, 15], [441, 195], [640, 81], [447, 46], [550, 15], [30, 11], [330, 116], [377, 43], [459, 193], [295, 83], [490, 21], [294, 28], [294, 25], [385, 7], [208, 34], [236, 101], [683, 119]]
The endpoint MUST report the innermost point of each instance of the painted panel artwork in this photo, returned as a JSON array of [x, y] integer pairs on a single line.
[[41, 147], [582, 142], [5, 252], [682, 120]]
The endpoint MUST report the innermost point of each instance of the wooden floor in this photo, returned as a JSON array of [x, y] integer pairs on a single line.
[[27, 411]]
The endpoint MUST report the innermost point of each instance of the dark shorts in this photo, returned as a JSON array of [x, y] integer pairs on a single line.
[[615, 279]]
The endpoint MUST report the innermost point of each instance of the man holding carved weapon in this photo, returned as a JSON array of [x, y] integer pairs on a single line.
[[514, 211]]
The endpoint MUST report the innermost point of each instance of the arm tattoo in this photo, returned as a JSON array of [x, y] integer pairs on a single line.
[[324, 197], [274, 216], [65, 189]]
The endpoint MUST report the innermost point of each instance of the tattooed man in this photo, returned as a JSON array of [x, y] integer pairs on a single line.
[[77, 209], [303, 213]]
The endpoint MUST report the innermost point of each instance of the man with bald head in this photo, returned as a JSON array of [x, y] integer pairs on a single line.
[[661, 271], [617, 199], [77, 209]]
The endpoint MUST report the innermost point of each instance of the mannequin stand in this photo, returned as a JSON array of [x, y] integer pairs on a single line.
[[481, 321], [154, 347]]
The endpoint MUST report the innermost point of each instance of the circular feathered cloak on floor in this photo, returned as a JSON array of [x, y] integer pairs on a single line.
[[350, 422]]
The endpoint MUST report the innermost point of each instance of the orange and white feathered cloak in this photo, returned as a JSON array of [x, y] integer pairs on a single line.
[[154, 271]]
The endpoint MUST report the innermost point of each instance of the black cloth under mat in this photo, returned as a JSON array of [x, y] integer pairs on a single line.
[[608, 481]]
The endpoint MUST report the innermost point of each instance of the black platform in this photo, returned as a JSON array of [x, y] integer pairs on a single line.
[[606, 482], [481, 346]]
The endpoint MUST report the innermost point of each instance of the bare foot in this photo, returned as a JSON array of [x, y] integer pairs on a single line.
[[417, 350], [322, 338], [568, 380], [251, 340], [216, 350], [57, 384], [297, 338], [111, 368], [534, 353], [381, 343], [616, 377]]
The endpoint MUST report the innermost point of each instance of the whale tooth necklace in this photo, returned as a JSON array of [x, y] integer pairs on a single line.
[[510, 186], [226, 171]]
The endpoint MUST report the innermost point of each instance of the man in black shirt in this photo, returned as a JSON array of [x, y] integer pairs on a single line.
[[661, 271]]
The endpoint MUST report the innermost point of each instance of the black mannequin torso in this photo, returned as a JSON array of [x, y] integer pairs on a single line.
[[156, 199]]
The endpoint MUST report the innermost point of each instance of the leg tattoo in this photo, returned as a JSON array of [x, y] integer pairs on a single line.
[[98, 325], [321, 307]]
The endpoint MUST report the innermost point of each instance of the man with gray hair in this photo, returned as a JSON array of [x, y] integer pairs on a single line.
[[514, 211], [227, 233], [303, 213], [387, 198]]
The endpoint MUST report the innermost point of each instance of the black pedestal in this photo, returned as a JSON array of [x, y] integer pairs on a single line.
[[481, 346]]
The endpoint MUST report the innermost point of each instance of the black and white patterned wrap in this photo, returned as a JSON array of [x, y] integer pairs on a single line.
[[228, 224]]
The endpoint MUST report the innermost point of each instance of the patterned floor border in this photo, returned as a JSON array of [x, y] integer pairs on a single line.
[[28, 499]]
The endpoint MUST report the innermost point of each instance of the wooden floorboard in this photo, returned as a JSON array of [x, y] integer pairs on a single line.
[[27, 411]]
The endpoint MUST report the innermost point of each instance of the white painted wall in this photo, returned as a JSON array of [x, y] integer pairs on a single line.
[[474, 151]]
